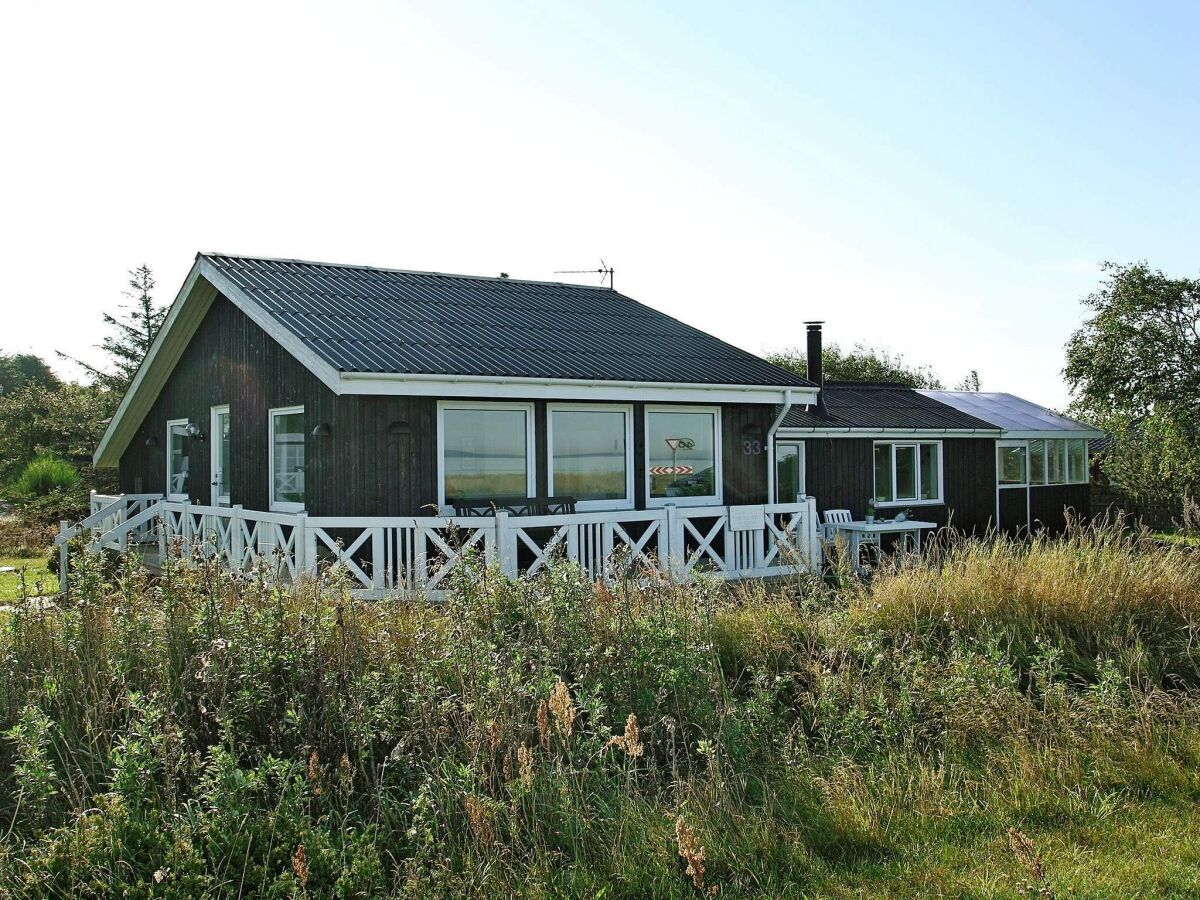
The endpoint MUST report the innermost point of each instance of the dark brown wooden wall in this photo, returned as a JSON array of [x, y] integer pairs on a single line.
[[1048, 504], [359, 469], [840, 474]]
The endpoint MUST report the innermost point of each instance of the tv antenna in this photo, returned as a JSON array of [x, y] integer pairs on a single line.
[[605, 272]]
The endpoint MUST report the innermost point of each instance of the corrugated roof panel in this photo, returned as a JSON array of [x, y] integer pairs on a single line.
[[1008, 412], [870, 405], [362, 319]]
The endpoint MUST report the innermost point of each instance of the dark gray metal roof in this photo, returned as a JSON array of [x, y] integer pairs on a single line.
[[876, 405], [362, 319]]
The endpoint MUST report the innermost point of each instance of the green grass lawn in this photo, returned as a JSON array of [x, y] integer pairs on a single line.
[[38, 579], [1174, 537]]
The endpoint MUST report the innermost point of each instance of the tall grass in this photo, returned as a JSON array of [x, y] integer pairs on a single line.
[[206, 735]]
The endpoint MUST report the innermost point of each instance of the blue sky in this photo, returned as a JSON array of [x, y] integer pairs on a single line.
[[937, 179]]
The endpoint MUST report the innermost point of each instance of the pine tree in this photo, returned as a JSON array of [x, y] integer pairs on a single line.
[[133, 331]]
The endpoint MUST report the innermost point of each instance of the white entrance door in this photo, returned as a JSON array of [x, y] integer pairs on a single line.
[[219, 438]]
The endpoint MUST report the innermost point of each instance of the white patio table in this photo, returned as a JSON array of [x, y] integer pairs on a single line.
[[856, 530]]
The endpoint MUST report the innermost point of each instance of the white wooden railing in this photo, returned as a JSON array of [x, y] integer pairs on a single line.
[[383, 556]]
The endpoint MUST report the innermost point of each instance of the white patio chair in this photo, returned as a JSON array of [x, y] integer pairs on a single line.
[[833, 518]]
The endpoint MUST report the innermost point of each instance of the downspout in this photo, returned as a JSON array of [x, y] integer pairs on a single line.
[[787, 405]]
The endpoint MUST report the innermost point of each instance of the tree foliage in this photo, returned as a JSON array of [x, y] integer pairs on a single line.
[[66, 421], [132, 331], [1134, 369], [20, 369], [861, 363]]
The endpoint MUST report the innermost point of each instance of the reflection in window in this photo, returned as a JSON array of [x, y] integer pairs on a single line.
[[789, 471], [485, 453], [1077, 471], [178, 460], [1011, 463], [908, 472], [589, 455], [1056, 461], [1037, 462], [681, 448], [287, 458]]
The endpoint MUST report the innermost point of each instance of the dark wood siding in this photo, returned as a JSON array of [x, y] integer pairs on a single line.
[[744, 452], [1048, 505], [840, 474], [360, 468]]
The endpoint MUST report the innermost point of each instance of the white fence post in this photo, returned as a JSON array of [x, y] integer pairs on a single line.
[[813, 539], [676, 566], [237, 546], [506, 544], [300, 543], [63, 528]]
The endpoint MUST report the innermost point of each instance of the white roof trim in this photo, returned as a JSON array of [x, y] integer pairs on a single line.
[[511, 387], [888, 432]]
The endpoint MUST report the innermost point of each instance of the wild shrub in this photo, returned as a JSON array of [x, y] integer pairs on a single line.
[[22, 539], [198, 733], [44, 474]]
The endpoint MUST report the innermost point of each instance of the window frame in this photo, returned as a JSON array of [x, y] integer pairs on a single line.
[[530, 442], [283, 505], [626, 502], [803, 445], [916, 444], [1010, 444], [175, 496], [214, 462], [1087, 460], [718, 495]]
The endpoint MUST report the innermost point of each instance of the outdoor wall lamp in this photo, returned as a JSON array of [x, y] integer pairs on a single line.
[[193, 431], [152, 441], [322, 431]]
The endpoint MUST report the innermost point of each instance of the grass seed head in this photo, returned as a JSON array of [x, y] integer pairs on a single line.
[[562, 708]]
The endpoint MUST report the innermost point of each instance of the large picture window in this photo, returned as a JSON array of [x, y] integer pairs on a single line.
[[287, 459], [178, 459], [591, 450], [908, 472], [486, 451], [683, 455]]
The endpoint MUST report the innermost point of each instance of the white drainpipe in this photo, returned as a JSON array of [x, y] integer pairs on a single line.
[[787, 405]]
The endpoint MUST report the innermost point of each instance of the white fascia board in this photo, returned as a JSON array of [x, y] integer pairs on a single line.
[[264, 320], [180, 324], [887, 432], [513, 388], [1053, 434]]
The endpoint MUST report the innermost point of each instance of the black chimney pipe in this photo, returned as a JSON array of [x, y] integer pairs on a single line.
[[816, 371]]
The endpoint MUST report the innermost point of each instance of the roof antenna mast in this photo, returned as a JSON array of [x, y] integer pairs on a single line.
[[605, 272]]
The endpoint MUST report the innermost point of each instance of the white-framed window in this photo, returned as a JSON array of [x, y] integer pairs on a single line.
[[590, 454], [908, 472], [1058, 461], [286, 439], [789, 471], [683, 455], [1012, 464], [1077, 461], [485, 451], [219, 438], [179, 461]]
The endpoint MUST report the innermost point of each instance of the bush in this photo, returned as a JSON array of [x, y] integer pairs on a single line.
[[551, 738], [24, 539], [45, 475]]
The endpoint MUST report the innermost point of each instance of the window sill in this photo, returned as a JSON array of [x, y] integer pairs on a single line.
[[287, 507], [657, 502], [892, 504]]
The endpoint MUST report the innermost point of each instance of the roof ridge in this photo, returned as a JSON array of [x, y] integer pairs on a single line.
[[458, 275]]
